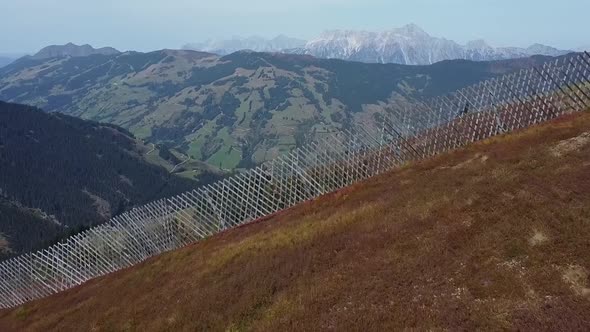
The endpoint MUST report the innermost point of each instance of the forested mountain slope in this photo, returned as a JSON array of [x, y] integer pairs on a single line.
[[59, 173], [494, 236]]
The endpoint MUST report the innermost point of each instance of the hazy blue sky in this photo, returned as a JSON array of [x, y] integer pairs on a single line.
[[28, 25]]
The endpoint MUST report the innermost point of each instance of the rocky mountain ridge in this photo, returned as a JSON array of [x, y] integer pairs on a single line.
[[73, 50], [409, 45]]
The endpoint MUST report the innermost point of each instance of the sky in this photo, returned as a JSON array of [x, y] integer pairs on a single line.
[[144, 25]]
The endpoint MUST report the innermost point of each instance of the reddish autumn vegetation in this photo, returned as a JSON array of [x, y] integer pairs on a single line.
[[493, 236]]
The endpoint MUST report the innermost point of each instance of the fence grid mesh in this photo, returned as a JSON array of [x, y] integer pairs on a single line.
[[339, 159]]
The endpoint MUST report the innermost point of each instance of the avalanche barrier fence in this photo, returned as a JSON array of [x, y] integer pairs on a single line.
[[337, 160]]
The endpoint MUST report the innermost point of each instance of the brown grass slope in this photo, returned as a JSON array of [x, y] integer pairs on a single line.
[[495, 236]]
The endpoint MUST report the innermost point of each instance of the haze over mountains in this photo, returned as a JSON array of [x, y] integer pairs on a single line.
[[5, 60], [408, 45], [71, 49], [254, 43]]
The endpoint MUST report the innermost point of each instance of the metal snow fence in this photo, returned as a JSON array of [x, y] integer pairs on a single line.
[[489, 108]]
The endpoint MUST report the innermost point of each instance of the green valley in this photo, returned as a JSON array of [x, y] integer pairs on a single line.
[[234, 111]]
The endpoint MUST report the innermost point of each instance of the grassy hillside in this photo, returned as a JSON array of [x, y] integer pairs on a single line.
[[59, 174], [495, 236], [233, 111]]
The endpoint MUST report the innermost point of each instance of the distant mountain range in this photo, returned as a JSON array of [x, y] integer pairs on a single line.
[[254, 43], [72, 50], [408, 45], [59, 174]]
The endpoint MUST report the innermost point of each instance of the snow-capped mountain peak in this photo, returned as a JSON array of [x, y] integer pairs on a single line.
[[410, 45], [411, 30]]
